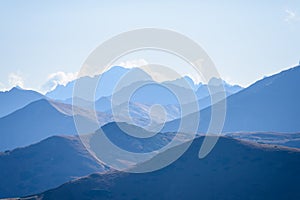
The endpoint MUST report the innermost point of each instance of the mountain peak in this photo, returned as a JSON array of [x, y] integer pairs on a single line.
[[36, 121], [16, 88], [17, 98], [116, 70]]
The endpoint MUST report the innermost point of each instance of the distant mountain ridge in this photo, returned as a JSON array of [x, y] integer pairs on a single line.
[[109, 79], [112, 77], [270, 104]]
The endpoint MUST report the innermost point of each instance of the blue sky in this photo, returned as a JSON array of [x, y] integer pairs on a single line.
[[46, 40]]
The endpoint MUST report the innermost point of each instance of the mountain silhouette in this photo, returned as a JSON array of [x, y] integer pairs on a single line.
[[16, 98], [270, 105], [203, 90], [33, 123], [44, 165], [117, 133], [233, 170], [136, 76], [108, 81], [44, 118]]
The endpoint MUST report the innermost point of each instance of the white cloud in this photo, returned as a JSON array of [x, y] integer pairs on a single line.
[[2, 87], [92, 70], [133, 63], [291, 16], [58, 78], [15, 79]]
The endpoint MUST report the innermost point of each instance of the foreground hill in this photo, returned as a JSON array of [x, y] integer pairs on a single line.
[[233, 170], [44, 165], [58, 159], [16, 98]]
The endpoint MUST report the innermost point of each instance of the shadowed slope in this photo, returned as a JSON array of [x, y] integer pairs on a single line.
[[44, 165], [233, 170]]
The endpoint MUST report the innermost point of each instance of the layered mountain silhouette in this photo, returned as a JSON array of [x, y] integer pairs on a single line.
[[111, 80], [58, 159], [17, 98], [118, 133], [119, 86], [205, 90], [44, 118], [266, 113], [271, 104], [233, 170], [44, 165]]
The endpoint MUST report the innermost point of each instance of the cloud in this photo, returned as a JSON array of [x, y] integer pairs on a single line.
[[133, 63], [92, 70], [291, 16], [15, 79], [58, 78], [2, 87]]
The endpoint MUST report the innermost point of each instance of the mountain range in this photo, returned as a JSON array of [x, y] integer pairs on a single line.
[[268, 105], [260, 119], [109, 78], [116, 76]]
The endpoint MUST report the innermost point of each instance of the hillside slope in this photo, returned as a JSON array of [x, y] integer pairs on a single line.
[[233, 170], [269, 105], [33, 123], [44, 165]]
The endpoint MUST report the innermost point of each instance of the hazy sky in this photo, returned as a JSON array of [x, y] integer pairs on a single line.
[[246, 39]]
